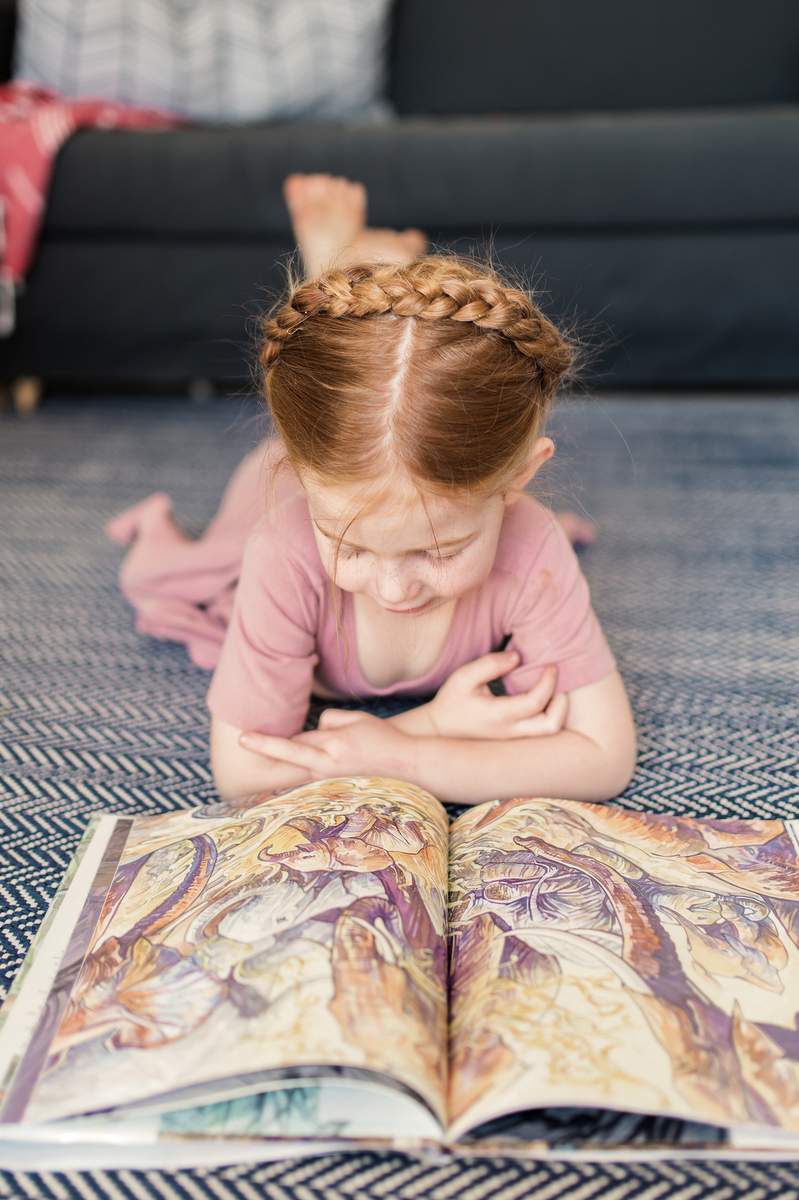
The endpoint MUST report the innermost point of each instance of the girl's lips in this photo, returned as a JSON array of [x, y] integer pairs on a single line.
[[418, 609]]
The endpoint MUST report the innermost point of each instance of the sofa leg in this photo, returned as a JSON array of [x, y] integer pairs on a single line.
[[26, 392]]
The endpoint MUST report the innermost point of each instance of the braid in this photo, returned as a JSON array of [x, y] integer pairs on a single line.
[[433, 288]]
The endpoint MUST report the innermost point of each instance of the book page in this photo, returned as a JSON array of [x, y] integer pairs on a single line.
[[306, 930], [295, 1118], [612, 959]]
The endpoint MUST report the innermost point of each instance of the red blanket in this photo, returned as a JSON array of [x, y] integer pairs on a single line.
[[34, 122]]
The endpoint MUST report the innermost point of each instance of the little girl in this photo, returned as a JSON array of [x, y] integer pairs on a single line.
[[381, 543]]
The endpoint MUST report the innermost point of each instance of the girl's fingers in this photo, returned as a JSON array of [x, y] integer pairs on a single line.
[[530, 703], [314, 737], [543, 689], [487, 667], [548, 722], [334, 718], [286, 750]]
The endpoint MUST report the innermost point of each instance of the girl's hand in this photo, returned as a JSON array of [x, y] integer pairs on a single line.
[[465, 706], [346, 743]]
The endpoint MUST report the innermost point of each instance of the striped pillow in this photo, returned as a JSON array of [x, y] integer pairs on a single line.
[[211, 60]]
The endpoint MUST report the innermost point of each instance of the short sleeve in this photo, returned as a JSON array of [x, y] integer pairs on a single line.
[[553, 621], [264, 675]]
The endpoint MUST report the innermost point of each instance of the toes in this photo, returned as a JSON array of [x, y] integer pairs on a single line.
[[300, 190], [350, 193], [292, 184], [296, 193], [318, 186]]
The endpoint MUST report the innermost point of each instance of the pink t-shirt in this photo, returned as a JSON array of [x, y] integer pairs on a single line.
[[283, 627]]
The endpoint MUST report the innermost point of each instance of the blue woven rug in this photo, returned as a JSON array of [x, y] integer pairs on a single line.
[[695, 578]]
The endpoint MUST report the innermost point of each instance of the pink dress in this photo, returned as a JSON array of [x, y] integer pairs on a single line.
[[252, 600]]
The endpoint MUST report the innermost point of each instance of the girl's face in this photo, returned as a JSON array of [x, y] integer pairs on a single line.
[[390, 555]]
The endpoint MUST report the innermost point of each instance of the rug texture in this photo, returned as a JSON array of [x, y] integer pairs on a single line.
[[695, 577]]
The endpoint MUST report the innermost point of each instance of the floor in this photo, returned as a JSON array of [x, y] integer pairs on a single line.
[[695, 577]]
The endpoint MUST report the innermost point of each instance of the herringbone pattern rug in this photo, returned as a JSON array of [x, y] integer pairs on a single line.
[[695, 578]]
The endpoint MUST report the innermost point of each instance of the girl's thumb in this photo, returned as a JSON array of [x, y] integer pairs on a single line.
[[489, 666]]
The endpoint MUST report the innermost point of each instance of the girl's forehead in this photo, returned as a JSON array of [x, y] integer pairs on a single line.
[[399, 510]]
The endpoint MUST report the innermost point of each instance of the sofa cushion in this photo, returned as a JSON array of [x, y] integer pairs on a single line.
[[642, 169], [466, 56], [236, 60]]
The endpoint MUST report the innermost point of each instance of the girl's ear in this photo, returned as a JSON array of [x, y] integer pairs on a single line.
[[543, 450]]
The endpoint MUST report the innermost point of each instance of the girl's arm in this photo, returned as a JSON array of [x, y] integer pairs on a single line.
[[592, 758], [414, 720], [238, 772]]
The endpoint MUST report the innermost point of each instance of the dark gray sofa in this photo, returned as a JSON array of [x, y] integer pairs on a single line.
[[639, 163]]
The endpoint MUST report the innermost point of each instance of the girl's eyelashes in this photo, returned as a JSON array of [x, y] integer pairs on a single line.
[[434, 558], [439, 558]]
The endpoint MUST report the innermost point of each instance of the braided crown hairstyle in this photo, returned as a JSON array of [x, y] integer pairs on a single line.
[[437, 372]]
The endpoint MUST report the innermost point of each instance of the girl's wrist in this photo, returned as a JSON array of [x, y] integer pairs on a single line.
[[416, 721]]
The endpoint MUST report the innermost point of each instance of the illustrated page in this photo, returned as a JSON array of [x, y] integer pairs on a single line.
[[608, 959], [308, 929]]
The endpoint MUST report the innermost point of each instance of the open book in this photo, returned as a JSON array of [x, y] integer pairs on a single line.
[[336, 966]]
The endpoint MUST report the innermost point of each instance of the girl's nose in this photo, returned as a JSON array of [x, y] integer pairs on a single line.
[[395, 586]]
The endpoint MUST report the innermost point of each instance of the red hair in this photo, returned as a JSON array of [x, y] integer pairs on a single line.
[[435, 372]]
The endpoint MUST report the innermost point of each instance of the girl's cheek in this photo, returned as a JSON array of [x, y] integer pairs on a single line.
[[459, 577], [350, 576], [463, 580], [351, 579]]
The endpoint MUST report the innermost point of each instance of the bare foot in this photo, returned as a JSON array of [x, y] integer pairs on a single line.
[[579, 530], [328, 215], [155, 540], [124, 527]]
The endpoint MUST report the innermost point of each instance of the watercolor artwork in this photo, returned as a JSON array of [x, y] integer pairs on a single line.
[[308, 931], [606, 958], [341, 965]]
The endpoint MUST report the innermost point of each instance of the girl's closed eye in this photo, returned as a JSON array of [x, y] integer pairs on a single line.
[[439, 558], [434, 558]]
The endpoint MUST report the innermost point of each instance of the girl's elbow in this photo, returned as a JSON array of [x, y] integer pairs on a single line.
[[235, 784], [226, 788], [618, 781], [231, 768], [612, 763], [601, 712], [620, 760]]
